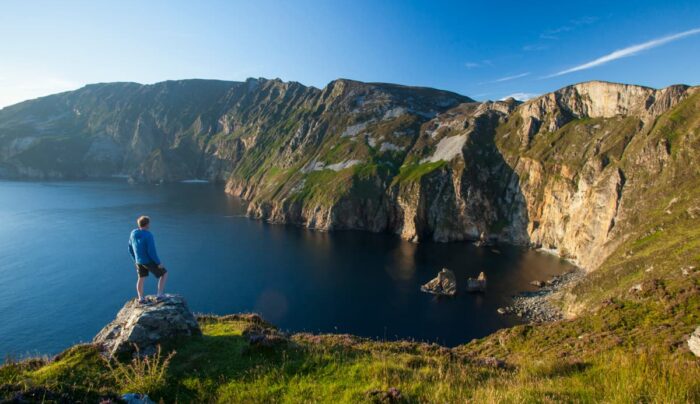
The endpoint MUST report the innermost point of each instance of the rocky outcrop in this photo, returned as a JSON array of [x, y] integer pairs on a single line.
[[444, 284], [143, 327]]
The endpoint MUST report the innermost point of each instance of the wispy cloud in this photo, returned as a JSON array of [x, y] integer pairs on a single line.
[[572, 25], [520, 96], [535, 47], [507, 78], [628, 51], [480, 63]]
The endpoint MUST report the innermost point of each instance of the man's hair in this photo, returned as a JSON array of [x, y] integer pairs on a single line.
[[143, 221]]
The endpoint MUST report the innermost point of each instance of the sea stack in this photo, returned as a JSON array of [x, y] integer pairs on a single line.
[[445, 284]]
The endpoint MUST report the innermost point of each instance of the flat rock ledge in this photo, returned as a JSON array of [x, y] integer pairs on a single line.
[[144, 327]]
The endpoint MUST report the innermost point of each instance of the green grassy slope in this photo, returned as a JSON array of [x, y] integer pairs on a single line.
[[220, 366]]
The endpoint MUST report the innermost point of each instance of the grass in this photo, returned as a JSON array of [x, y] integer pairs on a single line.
[[221, 366], [414, 171], [143, 374]]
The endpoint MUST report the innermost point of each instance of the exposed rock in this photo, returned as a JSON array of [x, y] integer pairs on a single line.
[[445, 283], [694, 342], [536, 307], [144, 327], [478, 284], [636, 288], [447, 149], [539, 284]]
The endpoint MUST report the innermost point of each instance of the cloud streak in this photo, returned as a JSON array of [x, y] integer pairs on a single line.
[[509, 78], [573, 24], [628, 51]]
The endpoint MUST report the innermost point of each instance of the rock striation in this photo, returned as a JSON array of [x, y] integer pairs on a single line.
[[144, 327]]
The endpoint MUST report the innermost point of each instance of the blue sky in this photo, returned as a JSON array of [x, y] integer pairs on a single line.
[[486, 50]]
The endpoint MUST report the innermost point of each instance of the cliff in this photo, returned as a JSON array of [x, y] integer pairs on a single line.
[[564, 171]]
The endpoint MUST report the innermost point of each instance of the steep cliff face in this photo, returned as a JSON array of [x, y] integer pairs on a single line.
[[571, 152], [565, 171]]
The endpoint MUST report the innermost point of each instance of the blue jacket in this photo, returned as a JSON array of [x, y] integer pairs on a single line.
[[142, 247]]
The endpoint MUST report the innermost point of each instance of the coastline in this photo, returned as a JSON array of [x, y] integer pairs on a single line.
[[538, 306]]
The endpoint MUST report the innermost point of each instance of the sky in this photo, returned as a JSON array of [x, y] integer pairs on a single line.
[[485, 50]]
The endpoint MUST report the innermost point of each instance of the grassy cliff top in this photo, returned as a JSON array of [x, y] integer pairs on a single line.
[[222, 366]]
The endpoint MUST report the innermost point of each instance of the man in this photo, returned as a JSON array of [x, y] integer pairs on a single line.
[[142, 248]]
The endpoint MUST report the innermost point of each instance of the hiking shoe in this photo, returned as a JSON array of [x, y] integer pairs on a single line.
[[160, 298], [143, 301]]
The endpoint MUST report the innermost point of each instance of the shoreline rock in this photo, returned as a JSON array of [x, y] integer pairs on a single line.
[[536, 306]]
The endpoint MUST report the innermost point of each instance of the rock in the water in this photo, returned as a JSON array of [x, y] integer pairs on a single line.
[[478, 284], [501, 310], [694, 342], [539, 284], [444, 283], [146, 326]]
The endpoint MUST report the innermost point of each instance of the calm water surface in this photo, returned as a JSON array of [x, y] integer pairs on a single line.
[[65, 270]]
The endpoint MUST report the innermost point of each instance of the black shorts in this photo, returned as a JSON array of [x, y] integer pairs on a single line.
[[144, 269]]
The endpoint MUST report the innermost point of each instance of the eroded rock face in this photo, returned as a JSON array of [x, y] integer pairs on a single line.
[[147, 326]]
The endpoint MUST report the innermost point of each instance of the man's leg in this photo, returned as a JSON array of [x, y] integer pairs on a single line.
[[139, 286], [161, 283]]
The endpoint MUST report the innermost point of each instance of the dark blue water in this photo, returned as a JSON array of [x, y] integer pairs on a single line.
[[65, 270]]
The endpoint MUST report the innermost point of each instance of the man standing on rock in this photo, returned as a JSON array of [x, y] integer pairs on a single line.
[[142, 248]]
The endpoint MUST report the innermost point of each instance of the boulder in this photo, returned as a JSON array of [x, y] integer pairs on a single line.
[[445, 283], [539, 284], [143, 327], [478, 284], [694, 342]]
